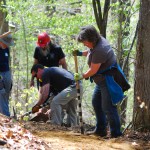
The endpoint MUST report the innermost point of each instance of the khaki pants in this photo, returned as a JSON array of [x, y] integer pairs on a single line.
[[67, 99]]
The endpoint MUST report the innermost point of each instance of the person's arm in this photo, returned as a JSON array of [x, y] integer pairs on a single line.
[[32, 78], [92, 70], [63, 63], [84, 53], [35, 61], [43, 94]]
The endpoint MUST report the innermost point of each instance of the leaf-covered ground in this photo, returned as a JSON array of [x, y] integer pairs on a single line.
[[42, 136], [15, 137]]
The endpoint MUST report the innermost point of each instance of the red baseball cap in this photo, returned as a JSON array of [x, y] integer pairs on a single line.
[[43, 40]]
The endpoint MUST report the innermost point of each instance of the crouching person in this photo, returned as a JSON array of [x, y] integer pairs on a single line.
[[60, 82]]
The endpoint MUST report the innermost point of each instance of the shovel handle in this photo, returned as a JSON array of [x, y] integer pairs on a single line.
[[79, 97], [5, 34], [76, 64]]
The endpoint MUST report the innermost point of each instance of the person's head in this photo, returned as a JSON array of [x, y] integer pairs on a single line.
[[43, 40], [89, 36], [36, 70], [6, 40]]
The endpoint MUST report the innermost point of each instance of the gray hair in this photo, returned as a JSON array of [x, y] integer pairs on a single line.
[[90, 34]]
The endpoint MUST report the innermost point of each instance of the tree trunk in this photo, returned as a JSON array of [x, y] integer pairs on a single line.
[[101, 17], [3, 22], [123, 33], [142, 70]]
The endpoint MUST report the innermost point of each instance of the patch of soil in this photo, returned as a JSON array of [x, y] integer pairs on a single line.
[[41, 136], [62, 138]]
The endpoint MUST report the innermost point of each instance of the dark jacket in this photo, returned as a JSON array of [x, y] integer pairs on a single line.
[[119, 77], [116, 82]]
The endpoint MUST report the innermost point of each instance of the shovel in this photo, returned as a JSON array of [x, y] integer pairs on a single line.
[[79, 97], [46, 103]]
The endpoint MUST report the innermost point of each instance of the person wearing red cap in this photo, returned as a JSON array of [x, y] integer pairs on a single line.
[[48, 54]]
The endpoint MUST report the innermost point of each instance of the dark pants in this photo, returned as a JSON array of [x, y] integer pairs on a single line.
[[103, 108]]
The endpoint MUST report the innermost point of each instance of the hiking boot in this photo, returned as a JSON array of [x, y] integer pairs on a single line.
[[65, 125], [116, 135], [101, 134]]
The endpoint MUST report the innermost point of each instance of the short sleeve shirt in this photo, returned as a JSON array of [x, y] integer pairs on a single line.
[[102, 53], [52, 58], [58, 78]]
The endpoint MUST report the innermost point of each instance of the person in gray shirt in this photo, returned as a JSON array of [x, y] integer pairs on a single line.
[[100, 58]]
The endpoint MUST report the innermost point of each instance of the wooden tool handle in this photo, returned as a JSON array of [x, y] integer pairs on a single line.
[[5, 34], [76, 64]]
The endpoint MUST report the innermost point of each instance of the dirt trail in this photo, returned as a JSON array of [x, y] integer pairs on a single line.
[[64, 140], [61, 138], [42, 136]]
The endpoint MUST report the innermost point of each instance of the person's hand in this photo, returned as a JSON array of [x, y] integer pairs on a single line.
[[87, 78], [77, 53], [31, 83], [77, 77], [35, 108]]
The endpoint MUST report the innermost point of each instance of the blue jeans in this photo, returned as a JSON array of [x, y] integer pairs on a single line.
[[103, 108], [5, 92]]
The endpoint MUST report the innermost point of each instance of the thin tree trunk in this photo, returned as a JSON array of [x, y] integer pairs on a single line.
[[3, 22], [27, 60], [123, 33], [101, 17]]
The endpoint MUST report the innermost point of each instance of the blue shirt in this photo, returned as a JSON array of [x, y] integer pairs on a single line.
[[58, 78], [4, 60]]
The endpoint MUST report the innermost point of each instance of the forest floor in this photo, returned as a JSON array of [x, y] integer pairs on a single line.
[[41, 136]]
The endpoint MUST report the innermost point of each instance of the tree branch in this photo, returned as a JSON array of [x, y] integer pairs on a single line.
[[97, 16], [127, 58]]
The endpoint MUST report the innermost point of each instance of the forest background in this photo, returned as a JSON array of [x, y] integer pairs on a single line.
[[117, 20]]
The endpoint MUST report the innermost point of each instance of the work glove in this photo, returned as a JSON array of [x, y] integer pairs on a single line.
[[77, 77], [77, 53], [35, 108]]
